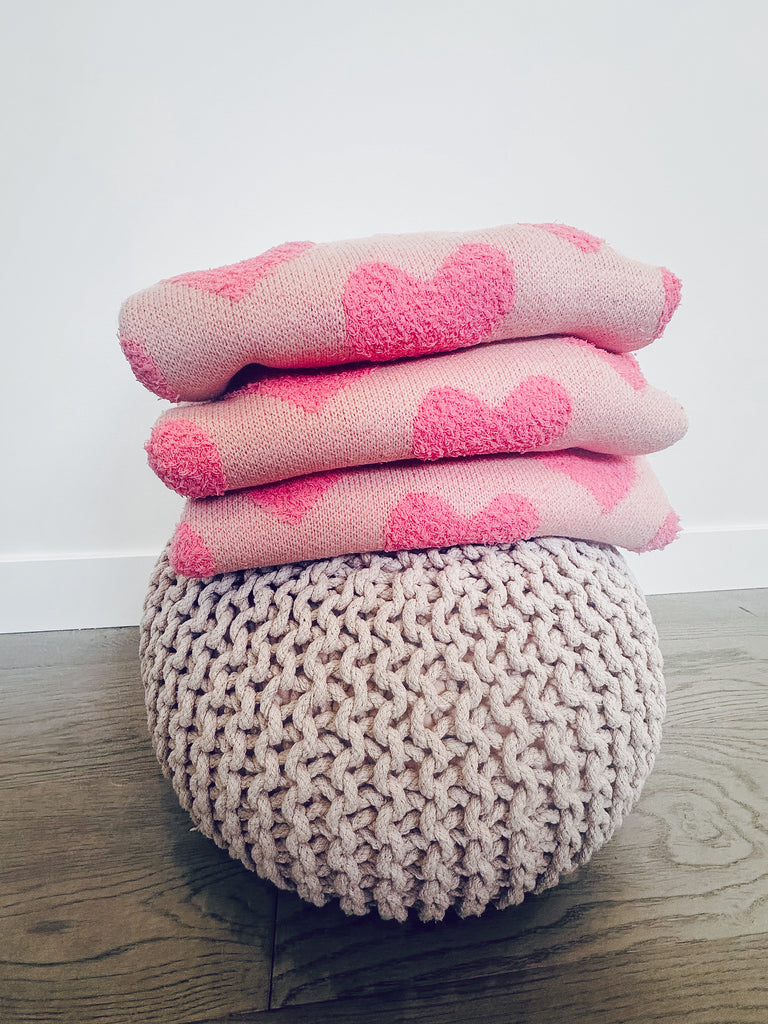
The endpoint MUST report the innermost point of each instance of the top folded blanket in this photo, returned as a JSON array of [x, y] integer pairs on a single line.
[[389, 296]]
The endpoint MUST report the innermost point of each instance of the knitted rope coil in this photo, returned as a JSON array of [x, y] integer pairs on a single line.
[[419, 731]]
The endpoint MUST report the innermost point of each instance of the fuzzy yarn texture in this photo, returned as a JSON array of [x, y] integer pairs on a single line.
[[540, 395], [397, 506], [386, 297], [408, 733]]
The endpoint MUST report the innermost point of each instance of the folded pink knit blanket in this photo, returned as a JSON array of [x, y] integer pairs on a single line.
[[537, 395], [485, 500], [381, 298]]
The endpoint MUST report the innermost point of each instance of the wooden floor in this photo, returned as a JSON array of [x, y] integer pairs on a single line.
[[113, 910]]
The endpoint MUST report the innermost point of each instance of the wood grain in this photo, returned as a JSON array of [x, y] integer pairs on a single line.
[[112, 910], [673, 984], [690, 864]]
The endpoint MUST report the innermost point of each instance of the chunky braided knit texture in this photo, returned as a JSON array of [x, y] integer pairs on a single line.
[[419, 731]]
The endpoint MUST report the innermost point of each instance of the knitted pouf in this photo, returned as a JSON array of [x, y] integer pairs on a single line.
[[420, 730]]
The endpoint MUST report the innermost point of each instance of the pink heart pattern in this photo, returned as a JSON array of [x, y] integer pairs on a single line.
[[608, 477], [452, 422], [236, 280], [624, 363], [145, 369], [583, 241], [672, 290], [189, 554], [665, 534], [390, 314], [292, 500], [428, 521], [185, 457], [310, 391]]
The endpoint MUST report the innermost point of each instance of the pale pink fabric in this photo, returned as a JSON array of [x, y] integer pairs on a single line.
[[536, 395], [486, 499], [380, 298]]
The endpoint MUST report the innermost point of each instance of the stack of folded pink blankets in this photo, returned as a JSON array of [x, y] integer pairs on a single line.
[[405, 392]]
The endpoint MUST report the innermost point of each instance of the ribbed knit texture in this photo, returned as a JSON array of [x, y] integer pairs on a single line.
[[422, 731], [380, 298]]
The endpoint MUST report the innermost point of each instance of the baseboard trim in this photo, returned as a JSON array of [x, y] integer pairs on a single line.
[[73, 592], [86, 592], [701, 560]]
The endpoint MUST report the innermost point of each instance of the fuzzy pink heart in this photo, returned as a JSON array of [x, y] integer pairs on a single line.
[[608, 477], [587, 243], [236, 280], [390, 314], [310, 391], [672, 291], [665, 534], [451, 422], [428, 521], [189, 554], [624, 363], [185, 457], [145, 369], [291, 500]]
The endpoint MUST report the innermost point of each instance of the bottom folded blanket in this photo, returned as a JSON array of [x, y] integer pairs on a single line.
[[412, 505]]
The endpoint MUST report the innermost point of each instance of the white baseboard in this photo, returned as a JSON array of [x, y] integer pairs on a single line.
[[701, 560], [107, 590], [72, 592]]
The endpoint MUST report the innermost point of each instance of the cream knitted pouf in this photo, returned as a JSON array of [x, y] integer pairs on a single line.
[[422, 730]]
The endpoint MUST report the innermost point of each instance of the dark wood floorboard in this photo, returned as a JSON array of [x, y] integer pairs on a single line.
[[674, 984], [111, 909]]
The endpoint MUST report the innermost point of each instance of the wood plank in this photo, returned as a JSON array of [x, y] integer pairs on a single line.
[[683, 882], [667, 983], [111, 909]]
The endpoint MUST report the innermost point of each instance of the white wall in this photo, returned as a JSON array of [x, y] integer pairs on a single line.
[[147, 138]]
